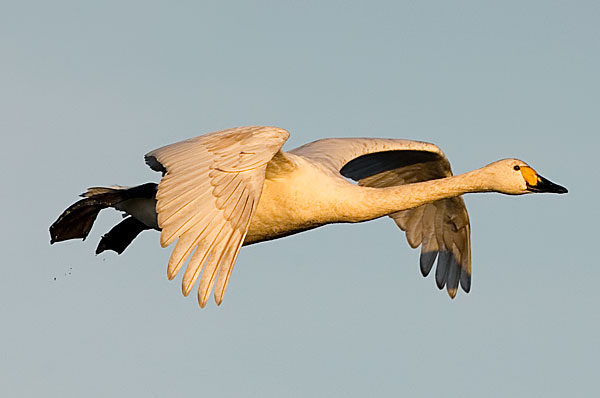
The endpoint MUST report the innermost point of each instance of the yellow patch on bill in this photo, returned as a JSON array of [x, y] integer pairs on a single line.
[[529, 175]]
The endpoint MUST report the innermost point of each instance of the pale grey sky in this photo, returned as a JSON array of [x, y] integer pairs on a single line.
[[86, 89]]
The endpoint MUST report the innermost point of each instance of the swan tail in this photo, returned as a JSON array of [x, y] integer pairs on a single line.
[[77, 220]]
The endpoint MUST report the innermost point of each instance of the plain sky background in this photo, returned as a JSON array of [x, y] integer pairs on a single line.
[[87, 88]]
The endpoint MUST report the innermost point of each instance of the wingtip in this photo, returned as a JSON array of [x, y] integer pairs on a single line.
[[185, 290], [164, 242], [202, 301], [466, 288], [426, 261], [465, 281]]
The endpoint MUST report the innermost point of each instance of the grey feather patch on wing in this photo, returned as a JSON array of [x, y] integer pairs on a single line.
[[374, 163], [465, 281], [465, 272], [426, 261], [453, 275], [379, 163], [443, 265], [441, 228]]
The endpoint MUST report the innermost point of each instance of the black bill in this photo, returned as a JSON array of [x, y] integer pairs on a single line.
[[546, 186]]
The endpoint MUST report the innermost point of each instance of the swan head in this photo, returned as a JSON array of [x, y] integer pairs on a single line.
[[515, 177]]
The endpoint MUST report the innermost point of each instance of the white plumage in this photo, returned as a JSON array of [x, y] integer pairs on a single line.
[[226, 189]]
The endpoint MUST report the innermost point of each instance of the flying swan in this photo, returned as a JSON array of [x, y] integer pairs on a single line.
[[236, 187]]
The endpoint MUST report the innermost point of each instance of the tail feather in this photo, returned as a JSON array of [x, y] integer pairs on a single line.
[[77, 220]]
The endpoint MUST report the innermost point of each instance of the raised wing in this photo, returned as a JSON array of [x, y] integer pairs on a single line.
[[441, 228], [207, 197], [368, 154]]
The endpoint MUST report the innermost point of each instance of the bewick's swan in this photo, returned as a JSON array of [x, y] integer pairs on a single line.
[[236, 187]]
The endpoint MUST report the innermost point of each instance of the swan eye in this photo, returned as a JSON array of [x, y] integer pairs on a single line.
[[517, 168]]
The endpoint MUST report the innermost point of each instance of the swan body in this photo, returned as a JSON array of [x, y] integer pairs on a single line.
[[236, 187]]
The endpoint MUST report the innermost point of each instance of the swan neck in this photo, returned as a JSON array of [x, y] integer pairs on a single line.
[[384, 201], [443, 188]]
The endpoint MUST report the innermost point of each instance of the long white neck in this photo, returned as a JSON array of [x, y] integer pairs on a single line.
[[378, 202]]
